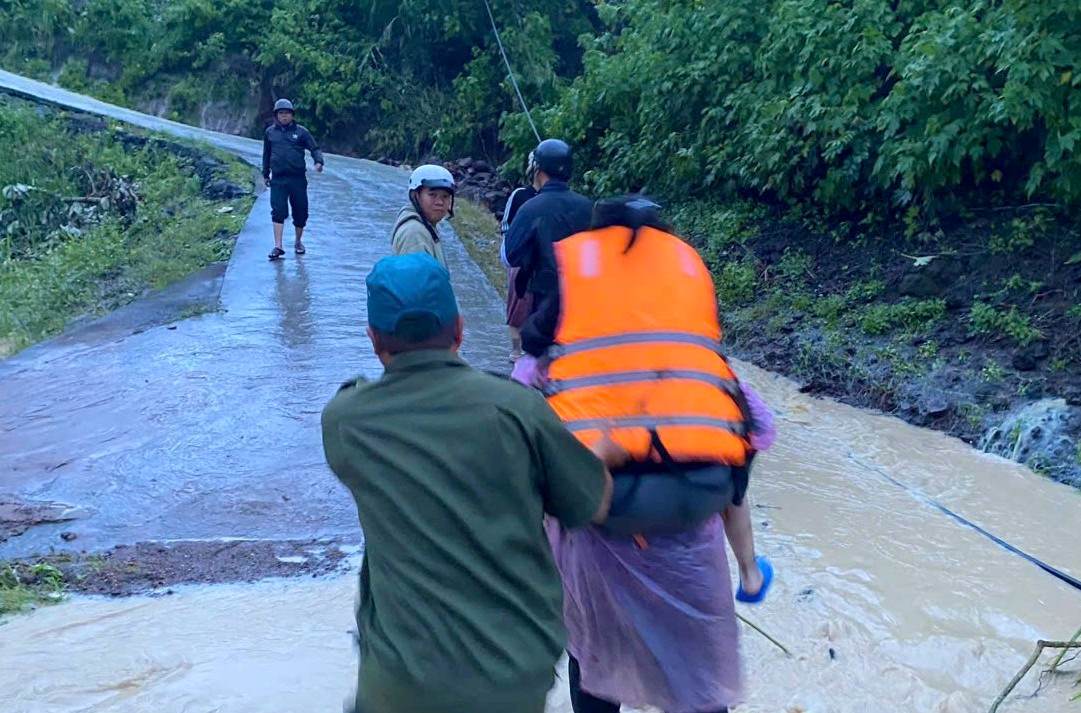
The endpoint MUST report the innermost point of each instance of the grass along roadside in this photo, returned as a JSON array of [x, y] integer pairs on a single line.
[[479, 232], [91, 219], [24, 586]]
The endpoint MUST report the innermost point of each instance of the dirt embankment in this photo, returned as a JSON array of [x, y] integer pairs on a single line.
[[130, 569], [977, 333]]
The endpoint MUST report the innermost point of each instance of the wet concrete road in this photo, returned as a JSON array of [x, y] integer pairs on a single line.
[[209, 427]]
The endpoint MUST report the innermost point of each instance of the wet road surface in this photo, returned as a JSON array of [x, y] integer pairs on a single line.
[[209, 427]]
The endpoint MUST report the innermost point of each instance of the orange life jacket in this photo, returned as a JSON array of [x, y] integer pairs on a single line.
[[637, 350]]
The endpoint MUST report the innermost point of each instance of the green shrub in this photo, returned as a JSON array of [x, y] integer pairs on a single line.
[[141, 222], [1019, 234], [184, 100], [985, 320], [867, 105], [865, 291], [714, 228], [798, 300], [831, 308], [73, 75], [794, 266], [378, 77], [912, 315], [1016, 283], [736, 284], [992, 372], [25, 585]]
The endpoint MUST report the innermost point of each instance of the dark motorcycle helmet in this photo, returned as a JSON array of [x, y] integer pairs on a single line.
[[555, 158]]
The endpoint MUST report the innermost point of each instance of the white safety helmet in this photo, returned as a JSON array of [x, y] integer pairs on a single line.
[[431, 176]]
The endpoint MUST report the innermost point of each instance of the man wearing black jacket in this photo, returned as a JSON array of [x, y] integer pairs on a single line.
[[284, 170], [555, 213]]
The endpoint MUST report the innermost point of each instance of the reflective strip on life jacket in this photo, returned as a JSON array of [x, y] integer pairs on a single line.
[[583, 345], [653, 422], [558, 386]]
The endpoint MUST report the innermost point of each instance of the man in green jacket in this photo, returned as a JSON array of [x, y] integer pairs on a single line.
[[453, 471]]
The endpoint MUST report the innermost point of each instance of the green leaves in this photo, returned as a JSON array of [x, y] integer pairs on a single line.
[[379, 77], [867, 105]]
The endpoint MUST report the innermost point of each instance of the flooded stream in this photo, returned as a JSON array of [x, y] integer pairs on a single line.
[[919, 613], [887, 603]]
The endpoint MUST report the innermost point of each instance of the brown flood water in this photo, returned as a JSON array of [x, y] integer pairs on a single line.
[[921, 614]]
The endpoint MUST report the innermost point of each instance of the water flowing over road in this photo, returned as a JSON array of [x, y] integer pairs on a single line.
[[209, 427], [210, 431]]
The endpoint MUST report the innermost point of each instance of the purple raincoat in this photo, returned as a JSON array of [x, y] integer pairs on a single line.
[[653, 626]]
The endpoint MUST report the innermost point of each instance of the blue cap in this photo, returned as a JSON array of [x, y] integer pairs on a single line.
[[410, 297]]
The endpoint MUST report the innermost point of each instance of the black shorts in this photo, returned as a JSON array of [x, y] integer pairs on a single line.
[[289, 192]]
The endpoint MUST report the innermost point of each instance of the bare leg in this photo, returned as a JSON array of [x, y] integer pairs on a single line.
[[740, 534], [515, 342], [279, 229], [300, 234]]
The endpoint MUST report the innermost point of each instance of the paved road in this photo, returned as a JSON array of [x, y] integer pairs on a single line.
[[209, 428]]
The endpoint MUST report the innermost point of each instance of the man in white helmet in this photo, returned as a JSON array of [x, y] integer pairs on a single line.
[[431, 199]]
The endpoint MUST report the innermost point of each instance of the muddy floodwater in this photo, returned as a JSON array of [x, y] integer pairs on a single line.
[[887, 604], [209, 430]]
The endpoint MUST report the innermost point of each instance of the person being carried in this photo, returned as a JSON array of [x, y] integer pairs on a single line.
[[431, 199], [452, 471], [285, 172], [543, 221], [519, 305], [634, 347]]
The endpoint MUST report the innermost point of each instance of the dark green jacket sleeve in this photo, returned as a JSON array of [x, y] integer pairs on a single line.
[[333, 447]]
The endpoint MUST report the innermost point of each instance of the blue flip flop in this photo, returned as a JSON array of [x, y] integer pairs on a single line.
[[767, 579]]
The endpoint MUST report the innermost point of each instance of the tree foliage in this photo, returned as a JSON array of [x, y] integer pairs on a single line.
[[395, 77], [854, 105]]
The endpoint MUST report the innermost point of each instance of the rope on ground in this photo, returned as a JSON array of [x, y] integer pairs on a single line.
[[1040, 646], [772, 640], [510, 72], [1053, 571]]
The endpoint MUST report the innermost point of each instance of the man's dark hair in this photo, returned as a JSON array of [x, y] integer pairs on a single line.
[[444, 338], [632, 211]]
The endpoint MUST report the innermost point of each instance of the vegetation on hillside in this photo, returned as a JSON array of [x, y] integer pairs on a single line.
[[383, 77], [856, 107], [91, 217], [860, 106]]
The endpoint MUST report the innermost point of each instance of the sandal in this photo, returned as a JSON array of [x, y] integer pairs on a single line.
[[766, 568], [299, 249], [276, 254]]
